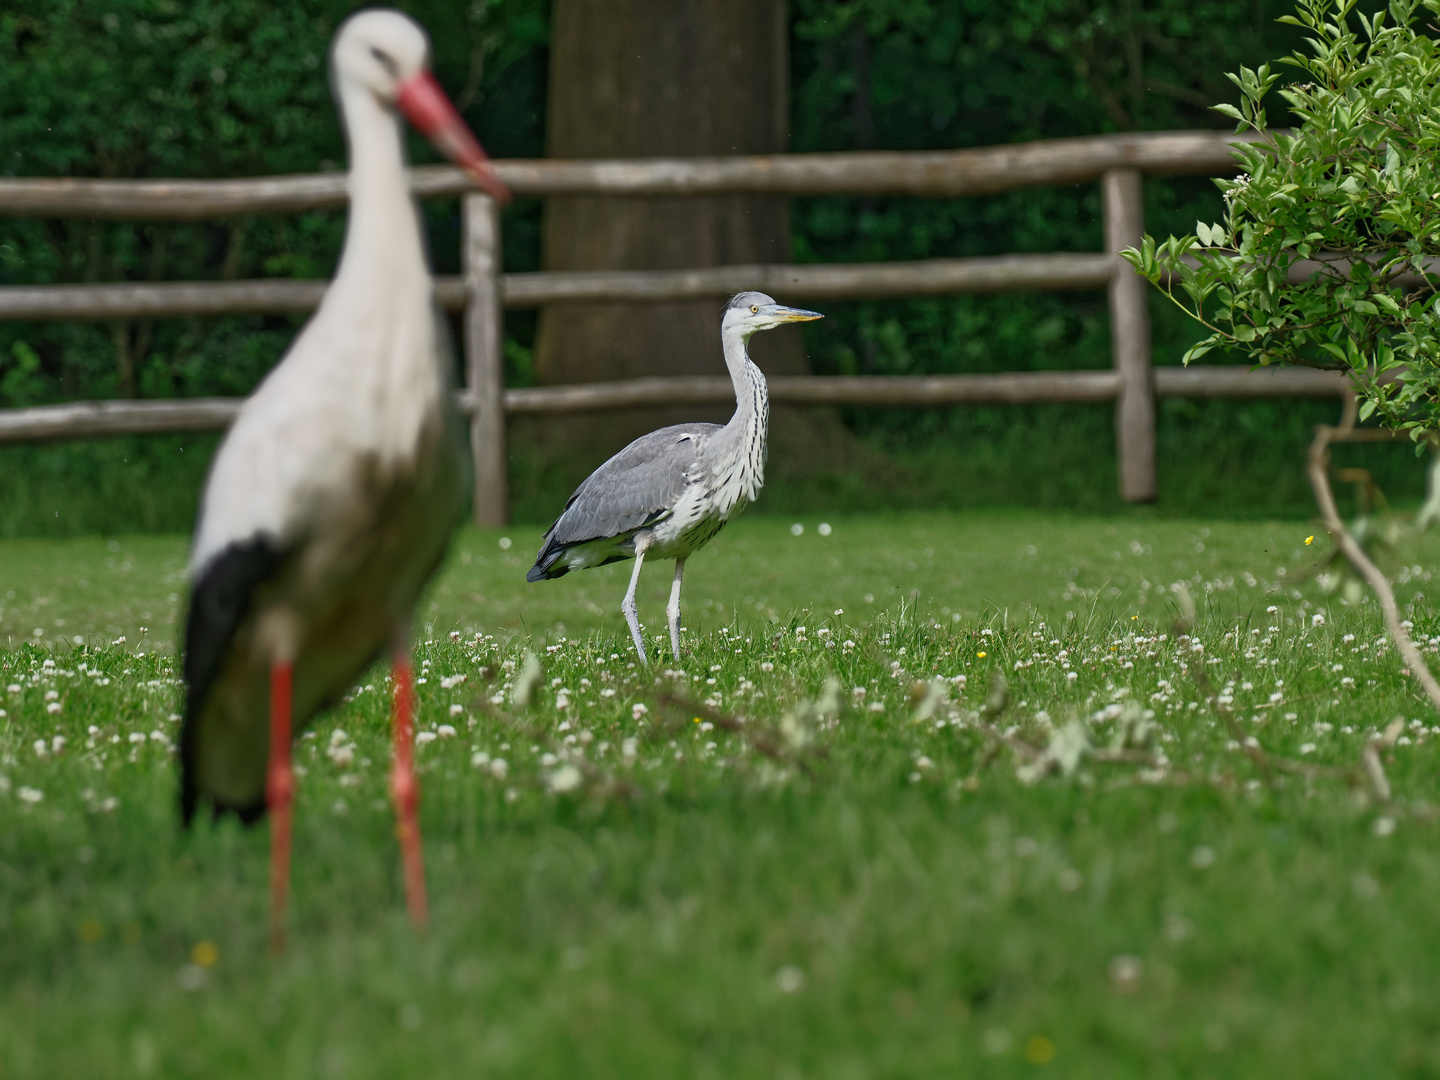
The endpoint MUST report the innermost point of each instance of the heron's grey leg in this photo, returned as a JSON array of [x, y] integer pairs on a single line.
[[673, 611], [628, 607]]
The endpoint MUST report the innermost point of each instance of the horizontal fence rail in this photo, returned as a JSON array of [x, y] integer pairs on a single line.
[[929, 277], [985, 170], [481, 294], [1057, 272], [88, 419]]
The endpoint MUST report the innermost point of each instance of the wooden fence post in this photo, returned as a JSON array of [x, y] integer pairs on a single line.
[[484, 359], [1124, 210]]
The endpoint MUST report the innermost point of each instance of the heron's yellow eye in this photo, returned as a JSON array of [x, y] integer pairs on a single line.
[[754, 309]]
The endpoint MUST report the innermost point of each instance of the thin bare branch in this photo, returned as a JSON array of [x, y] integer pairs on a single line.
[[1319, 470]]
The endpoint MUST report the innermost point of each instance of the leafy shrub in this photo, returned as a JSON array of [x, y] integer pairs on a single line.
[[1352, 192]]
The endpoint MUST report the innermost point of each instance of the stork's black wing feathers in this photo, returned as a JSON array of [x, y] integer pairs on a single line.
[[219, 602]]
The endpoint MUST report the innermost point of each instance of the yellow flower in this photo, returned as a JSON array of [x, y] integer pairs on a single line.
[[697, 719], [1039, 1050], [205, 954], [1309, 540], [981, 655]]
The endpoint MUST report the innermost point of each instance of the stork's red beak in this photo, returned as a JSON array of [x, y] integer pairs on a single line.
[[426, 106]]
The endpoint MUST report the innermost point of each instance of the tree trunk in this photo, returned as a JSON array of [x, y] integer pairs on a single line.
[[644, 78]]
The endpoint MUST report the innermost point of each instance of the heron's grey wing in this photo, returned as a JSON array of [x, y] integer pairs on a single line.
[[637, 486]]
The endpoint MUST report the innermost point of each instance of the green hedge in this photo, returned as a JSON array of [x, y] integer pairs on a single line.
[[236, 87]]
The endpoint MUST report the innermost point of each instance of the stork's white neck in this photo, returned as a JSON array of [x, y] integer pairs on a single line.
[[382, 236]]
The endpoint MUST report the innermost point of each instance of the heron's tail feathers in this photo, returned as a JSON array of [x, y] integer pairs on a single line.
[[546, 565]]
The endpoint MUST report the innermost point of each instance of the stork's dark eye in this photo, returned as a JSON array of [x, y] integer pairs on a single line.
[[754, 309], [385, 61]]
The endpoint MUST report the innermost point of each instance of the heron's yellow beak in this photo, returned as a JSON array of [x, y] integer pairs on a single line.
[[789, 314]]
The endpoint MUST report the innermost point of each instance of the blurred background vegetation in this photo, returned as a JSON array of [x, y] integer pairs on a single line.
[[205, 88]]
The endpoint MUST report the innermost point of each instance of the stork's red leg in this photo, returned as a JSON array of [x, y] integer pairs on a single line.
[[406, 790], [279, 796]]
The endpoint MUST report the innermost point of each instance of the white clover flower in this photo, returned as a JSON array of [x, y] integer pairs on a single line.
[[445, 731], [29, 794], [797, 529], [564, 779], [638, 710], [423, 737], [499, 767]]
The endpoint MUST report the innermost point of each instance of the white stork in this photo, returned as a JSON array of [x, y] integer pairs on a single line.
[[332, 499]]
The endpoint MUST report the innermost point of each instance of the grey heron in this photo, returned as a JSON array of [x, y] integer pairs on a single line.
[[666, 494], [332, 499]]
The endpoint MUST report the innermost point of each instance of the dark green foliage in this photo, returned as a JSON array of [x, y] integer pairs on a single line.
[[154, 88], [1352, 188], [236, 87]]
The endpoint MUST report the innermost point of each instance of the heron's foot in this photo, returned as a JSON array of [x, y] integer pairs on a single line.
[[637, 633], [674, 614]]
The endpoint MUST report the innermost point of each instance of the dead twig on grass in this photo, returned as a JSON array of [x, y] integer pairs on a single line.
[[1319, 472], [762, 739], [1368, 769], [1370, 758], [1067, 748]]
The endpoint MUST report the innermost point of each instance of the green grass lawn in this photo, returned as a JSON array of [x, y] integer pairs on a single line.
[[851, 882]]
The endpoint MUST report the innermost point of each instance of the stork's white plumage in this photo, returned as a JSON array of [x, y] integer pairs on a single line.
[[333, 497]]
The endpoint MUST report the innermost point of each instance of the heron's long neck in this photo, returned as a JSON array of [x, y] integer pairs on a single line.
[[750, 425], [382, 249]]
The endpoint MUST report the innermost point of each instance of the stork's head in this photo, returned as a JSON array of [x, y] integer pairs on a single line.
[[387, 54], [749, 312]]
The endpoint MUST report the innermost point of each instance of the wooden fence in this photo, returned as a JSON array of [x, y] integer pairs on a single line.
[[482, 292]]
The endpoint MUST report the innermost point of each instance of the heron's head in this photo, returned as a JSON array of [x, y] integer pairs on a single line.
[[749, 312], [387, 54]]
